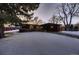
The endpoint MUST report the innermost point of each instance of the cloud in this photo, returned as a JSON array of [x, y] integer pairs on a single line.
[[46, 10]]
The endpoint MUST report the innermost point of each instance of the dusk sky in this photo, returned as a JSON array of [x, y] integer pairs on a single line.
[[46, 10]]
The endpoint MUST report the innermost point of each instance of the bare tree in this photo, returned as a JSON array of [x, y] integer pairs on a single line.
[[55, 19], [37, 20], [67, 11]]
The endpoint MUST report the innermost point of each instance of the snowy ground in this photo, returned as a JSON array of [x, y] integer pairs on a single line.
[[71, 32], [39, 43]]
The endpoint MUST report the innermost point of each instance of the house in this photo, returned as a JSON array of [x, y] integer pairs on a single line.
[[51, 27], [30, 27], [44, 27]]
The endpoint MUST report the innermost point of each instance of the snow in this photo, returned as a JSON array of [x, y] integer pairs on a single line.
[[11, 31], [39, 43], [71, 32]]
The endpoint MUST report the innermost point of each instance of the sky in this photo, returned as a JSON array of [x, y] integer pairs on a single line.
[[46, 10]]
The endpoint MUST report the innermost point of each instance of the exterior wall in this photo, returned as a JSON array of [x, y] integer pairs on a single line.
[[51, 27]]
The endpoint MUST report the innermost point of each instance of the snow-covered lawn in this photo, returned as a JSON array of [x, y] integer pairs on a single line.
[[71, 32], [39, 43]]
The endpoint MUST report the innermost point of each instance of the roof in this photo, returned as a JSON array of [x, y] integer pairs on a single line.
[[42, 24], [50, 24]]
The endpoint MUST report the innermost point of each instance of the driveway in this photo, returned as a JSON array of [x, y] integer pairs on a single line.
[[39, 43]]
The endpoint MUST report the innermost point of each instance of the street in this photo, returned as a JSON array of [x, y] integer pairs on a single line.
[[39, 43]]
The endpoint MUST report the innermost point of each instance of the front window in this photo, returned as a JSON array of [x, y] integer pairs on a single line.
[[51, 26]]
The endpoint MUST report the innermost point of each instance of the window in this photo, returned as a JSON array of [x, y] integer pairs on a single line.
[[51, 26]]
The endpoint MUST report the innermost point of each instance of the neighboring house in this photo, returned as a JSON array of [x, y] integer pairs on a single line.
[[76, 27], [8, 27]]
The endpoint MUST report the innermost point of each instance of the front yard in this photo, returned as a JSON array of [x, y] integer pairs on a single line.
[[39, 43]]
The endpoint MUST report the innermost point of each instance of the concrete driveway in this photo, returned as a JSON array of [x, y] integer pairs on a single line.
[[39, 43]]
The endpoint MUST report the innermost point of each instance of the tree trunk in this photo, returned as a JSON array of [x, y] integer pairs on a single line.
[[1, 31], [70, 23], [66, 28]]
